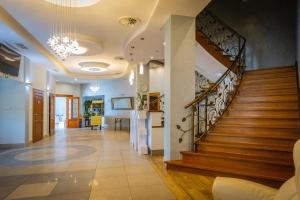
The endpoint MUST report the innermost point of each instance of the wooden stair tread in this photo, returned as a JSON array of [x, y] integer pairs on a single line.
[[264, 147], [284, 137], [226, 170], [241, 157]]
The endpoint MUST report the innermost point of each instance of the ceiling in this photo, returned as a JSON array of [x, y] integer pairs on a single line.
[[106, 40]]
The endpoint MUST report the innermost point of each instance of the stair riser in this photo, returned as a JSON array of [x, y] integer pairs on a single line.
[[246, 151], [272, 183], [276, 133], [241, 166], [291, 80], [267, 87], [279, 70], [245, 140], [262, 114], [257, 106], [269, 123], [247, 76], [290, 98], [256, 92]]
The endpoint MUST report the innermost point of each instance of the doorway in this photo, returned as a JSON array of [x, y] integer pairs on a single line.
[[60, 112], [37, 115]]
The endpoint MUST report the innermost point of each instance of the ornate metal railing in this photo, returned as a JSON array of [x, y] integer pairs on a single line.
[[207, 108]]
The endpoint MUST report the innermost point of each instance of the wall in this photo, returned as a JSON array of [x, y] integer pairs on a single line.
[[40, 79], [111, 88], [298, 38], [156, 80], [69, 89], [207, 65], [12, 113], [269, 27]]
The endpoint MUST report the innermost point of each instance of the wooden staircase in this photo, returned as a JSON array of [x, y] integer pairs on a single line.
[[255, 136]]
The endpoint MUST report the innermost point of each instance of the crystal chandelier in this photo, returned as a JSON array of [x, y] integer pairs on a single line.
[[63, 40]]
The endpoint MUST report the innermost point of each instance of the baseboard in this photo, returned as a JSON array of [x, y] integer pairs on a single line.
[[159, 152], [12, 146]]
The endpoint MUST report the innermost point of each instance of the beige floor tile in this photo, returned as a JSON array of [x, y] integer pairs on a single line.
[[154, 192], [139, 169], [111, 194], [32, 190], [101, 183], [110, 163], [137, 180], [110, 172]]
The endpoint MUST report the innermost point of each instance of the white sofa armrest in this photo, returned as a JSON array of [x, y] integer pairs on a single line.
[[237, 189]]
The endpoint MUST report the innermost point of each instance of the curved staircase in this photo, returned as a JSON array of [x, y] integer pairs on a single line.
[[253, 133]]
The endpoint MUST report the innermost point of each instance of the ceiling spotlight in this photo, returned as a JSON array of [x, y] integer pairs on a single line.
[[151, 57], [142, 38], [164, 43]]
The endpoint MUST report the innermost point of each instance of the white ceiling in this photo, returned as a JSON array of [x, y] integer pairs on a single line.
[[99, 30]]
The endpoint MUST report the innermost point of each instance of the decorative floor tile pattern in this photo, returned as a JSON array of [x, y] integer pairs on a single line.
[[32, 190], [80, 164]]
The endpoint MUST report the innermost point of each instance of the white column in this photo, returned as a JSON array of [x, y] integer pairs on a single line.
[[179, 77]]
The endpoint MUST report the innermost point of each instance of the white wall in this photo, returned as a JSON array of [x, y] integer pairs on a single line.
[[12, 112], [110, 89], [69, 89], [156, 80], [42, 80], [207, 65]]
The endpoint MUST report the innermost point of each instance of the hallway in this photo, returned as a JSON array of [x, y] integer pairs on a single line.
[[80, 164]]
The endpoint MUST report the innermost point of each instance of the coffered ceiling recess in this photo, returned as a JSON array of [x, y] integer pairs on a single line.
[[115, 32]]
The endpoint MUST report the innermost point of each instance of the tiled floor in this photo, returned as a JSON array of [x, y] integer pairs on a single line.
[[80, 164]]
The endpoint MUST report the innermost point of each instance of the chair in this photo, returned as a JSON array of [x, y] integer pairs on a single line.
[[238, 189], [96, 121]]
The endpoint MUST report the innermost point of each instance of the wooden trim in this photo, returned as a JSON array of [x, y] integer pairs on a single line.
[[158, 126], [64, 95], [36, 92], [298, 84]]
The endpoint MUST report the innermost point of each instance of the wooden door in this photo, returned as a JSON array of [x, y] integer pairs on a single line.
[[51, 114], [38, 115], [73, 112]]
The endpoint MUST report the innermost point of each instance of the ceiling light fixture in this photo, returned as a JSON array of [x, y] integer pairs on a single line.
[[62, 39], [94, 66], [141, 68]]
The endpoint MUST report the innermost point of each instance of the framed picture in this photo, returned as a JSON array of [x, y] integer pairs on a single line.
[[122, 103], [154, 101]]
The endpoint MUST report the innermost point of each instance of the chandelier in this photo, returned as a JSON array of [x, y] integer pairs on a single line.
[[62, 39]]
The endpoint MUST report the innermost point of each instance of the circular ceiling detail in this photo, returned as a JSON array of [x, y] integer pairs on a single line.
[[74, 3], [129, 21], [94, 66]]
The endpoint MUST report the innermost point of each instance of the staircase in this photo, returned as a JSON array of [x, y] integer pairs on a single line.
[[251, 133], [255, 136]]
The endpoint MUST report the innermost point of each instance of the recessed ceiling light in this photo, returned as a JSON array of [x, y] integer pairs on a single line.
[[75, 79], [151, 57], [131, 54], [164, 43], [142, 38], [132, 47], [94, 66], [80, 51]]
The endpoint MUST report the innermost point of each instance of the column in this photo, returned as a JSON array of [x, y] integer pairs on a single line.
[[179, 81]]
